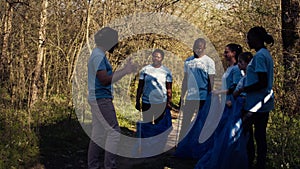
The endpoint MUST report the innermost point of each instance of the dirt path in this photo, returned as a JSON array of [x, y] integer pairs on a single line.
[[64, 146]]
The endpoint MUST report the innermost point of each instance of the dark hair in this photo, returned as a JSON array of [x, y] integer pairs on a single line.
[[235, 48], [159, 51], [200, 40], [106, 37], [246, 56], [261, 33]]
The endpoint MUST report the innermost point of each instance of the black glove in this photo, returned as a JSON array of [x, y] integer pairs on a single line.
[[138, 106]]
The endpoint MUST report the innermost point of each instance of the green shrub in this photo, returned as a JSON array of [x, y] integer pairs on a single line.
[[19, 144], [283, 137]]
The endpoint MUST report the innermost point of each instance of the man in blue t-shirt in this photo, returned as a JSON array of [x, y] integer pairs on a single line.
[[106, 130], [199, 71]]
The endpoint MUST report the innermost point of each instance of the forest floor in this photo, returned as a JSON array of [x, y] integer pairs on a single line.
[[65, 144]]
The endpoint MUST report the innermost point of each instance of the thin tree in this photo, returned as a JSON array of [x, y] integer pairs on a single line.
[[40, 54], [7, 29]]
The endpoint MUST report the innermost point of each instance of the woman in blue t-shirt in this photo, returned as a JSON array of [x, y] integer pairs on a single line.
[[244, 60], [232, 74], [155, 88], [259, 82]]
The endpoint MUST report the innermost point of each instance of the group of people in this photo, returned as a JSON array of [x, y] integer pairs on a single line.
[[246, 84]]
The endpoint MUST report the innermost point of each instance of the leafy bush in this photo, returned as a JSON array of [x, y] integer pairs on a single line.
[[19, 143], [284, 140]]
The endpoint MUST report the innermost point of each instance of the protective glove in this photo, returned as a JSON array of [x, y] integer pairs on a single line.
[[138, 106]]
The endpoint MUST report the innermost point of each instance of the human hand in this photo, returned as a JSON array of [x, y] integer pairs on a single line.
[[169, 105], [229, 103], [216, 92], [130, 67], [236, 94]]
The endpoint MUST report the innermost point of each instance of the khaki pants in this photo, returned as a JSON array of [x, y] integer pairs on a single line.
[[105, 134]]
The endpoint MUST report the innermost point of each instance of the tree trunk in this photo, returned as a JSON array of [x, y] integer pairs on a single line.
[[45, 77], [88, 19], [4, 59], [40, 54], [290, 38], [24, 55], [290, 19]]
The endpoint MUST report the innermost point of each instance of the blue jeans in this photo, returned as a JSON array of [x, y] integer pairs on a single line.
[[105, 134]]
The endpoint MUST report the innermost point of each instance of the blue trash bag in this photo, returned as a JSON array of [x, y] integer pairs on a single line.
[[145, 130], [189, 146], [153, 137], [229, 150]]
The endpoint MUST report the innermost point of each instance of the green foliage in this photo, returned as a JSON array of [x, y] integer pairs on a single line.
[[19, 143], [283, 140], [19, 146], [50, 111], [126, 113], [176, 93]]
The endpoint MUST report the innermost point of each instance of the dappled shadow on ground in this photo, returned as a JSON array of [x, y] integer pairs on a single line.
[[64, 146], [163, 161]]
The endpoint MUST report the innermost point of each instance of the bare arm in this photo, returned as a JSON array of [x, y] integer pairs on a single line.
[[261, 84], [236, 93], [219, 91], [106, 79], [231, 89], [211, 82], [184, 86]]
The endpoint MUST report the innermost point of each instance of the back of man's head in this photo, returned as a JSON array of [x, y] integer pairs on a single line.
[[106, 38]]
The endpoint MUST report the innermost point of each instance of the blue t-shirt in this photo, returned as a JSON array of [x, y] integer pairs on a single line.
[[155, 91], [230, 78], [197, 70], [240, 85], [261, 62], [98, 61]]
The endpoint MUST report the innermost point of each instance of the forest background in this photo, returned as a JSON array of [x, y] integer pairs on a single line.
[[41, 42]]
